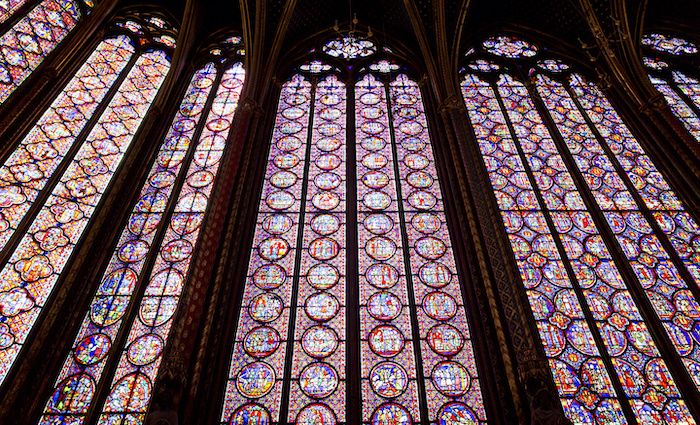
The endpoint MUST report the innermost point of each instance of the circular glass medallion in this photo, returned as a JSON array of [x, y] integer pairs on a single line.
[[145, 349], [323, 276], [324, 249], [380, 248], [295, 98], [155, 311], [133, 251], [386, 340], [422, 200], [406, 99], [374, 161], [261, 341], [426, 222], [330, 114], [265, 307], [372, 127], [413, 144], [321, 306], [412, 128], [327, 181], [325, 224], [269, 276], [375, 179], [379, 224], [451, 379], [72, 394], [377, 201], [370, 98], [456, 413], [382, 276], [373, 143], [318, 380], [420, 179], [319, 341], [388, 379], [371, 113], [435, 275], [439, 305], [250, 414], [391, 414], [416, 161], [293, 113], [330, 99], [328, 162], [277, 224], [280, 200], [430, 248], [92, 349], [445, 340], [329, 128], [384, 306], [315, 414], [290, 127], [329, 144], [283, 179], [255, 380], [273, 249], [325, 201], [286, 161], [288, 143]]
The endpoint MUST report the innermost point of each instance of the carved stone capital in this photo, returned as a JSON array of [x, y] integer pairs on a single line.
[[249, 105], [653, 104], [451, 104]]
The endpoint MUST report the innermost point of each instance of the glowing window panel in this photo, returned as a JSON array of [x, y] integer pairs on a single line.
[[668, 293], [321, 380], [654, 63], [29, 41], [509, 47], [680, 109], [451, 382], [668, 44], [130, 391], [29, 167], [83, 369], [624, 333], [349, 47], [9, 7], [553, 65], [384, 67], [690, 87], [388, 365], [483, 65], [29, 277], [574, 359], [256, 373], [315, 67]]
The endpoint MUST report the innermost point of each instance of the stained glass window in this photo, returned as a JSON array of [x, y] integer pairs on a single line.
[[352, 217], [9, 7], [191, 153], [561, 192], [665, 58], [32, 38]]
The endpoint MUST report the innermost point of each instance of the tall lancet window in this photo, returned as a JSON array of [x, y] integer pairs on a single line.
[[604, 246], [352, 290], [672, 64], [54, 180], [152, 257], [31, 30]]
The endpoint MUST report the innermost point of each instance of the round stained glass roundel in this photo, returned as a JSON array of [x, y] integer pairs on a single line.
[[375, 179], [318, 380], [416, 161], [421, 200], [265, 307], [324, 249], [321, 306], [329, 144], [384, 306], [391, 414], [283, 179], [145, 349], [269, 276], [379, 224], [456, 413], [328, 162], [315, 414], [255, 380], [325, 201], [319, 341], [388, 379], [286, 161], [427, 223], [451, 379], [323, 276], [439, 306], [327, 181], [277, 224], [380, 248], [273, 249], [289, 143], [375, 161], [430, 248], [325, 224], [250, 413], [413, 144], [386, 340], [445, 340], [92, 349], [382, 276], [373, 143], [261, 341], [376, 201], [280, 200]]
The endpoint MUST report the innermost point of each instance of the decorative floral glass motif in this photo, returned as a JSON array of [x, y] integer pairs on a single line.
[[24, 46], [411, 310], [83, 369], [130, 391], [34, 267], [532, 181], [509, 47], [28, 168], [667, 44], [349, 47]]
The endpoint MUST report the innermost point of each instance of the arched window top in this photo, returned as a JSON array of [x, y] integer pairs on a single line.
[[668, 44], [148, 30], [225, 49], [509, 47], [349, 46]]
